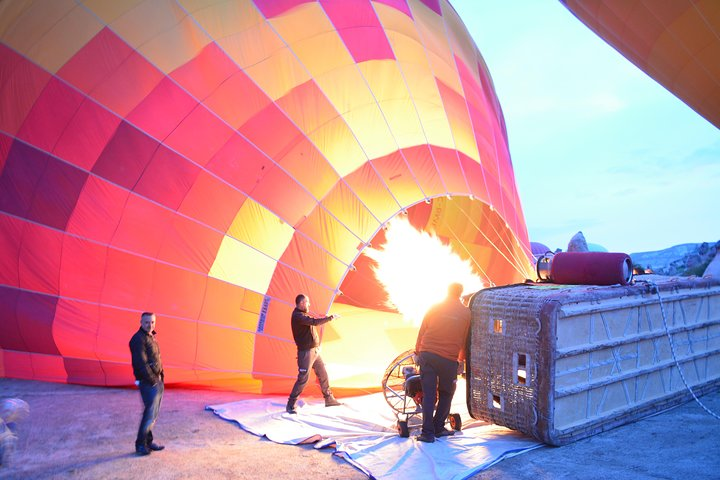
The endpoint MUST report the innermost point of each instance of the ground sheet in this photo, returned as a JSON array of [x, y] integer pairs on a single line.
[[363, 432]]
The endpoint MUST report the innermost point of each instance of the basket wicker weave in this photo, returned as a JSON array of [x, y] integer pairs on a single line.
[[562, 362]]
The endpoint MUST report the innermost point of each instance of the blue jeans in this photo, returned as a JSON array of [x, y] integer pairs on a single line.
[[151, 397], [305, 360], [438, 377]]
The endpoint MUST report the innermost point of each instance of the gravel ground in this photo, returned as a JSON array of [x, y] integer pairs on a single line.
[[88, 432]]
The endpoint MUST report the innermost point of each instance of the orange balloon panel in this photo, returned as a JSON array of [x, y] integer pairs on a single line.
[[208, 161], [677, 43]]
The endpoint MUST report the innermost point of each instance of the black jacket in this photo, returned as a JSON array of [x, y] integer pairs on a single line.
[[303, 329], [146, 362]]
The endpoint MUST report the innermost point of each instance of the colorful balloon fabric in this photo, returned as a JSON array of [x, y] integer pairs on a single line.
[[209, 160], [677, 43]]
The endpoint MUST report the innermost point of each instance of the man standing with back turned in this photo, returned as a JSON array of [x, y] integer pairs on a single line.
[[149, 377], [440, 345], [308, 352]]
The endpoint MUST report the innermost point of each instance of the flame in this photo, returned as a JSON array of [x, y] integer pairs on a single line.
[[416, 268]]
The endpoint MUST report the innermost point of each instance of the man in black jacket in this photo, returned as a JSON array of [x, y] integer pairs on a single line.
[[308, 352], [149, 377]]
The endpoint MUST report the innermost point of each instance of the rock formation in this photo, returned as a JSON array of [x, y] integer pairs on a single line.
[[684, 260]]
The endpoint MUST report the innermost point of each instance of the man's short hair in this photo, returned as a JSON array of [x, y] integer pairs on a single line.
[[455, 290], [299, 298], [146, 314]]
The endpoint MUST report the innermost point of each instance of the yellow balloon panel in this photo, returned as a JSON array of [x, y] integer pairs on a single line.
[[24, 23], [64, 29], [147, 20], [384, 79], [391, 93], [373, 193], [257, 226], [278, 74], [187, 40], [345, 88], [109, 10], [402, 118], [351, 212], [330, 233], [371, 130], [241, 265], [318, 65], [408, 48], [304, 21], [337, 142], [222, 19], [251, 46], [435, 121]]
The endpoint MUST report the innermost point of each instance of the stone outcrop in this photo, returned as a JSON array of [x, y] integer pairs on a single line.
[[684, 260], [577, 243]]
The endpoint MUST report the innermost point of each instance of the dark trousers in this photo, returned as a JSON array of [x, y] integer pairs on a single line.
[[437, 374], [152, 397], [305, 360]]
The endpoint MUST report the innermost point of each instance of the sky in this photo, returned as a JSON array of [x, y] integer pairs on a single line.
[[597, 145]]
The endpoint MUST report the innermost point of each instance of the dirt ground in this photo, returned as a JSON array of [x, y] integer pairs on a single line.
[[88, 433]]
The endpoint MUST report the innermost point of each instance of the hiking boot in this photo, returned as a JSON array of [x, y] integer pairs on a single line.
[[290, 407], [425, 438], [142, 450], [331, 402], [444, 433]]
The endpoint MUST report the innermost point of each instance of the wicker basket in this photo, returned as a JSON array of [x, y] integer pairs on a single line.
[[563, 362]]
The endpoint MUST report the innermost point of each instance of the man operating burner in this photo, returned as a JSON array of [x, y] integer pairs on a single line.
[[308, 352], [439, 348]]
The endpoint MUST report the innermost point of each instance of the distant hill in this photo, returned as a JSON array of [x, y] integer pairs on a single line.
[[684, 259]]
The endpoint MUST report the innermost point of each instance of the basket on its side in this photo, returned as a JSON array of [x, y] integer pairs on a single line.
[[563, 362]]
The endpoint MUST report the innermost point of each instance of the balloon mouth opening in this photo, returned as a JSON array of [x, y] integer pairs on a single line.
[[394, 264], [425, 247], [372, 315]]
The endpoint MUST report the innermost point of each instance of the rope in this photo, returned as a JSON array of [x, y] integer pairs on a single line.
[[656, 290]]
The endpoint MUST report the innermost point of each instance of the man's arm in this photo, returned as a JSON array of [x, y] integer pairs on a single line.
[[305, 319]]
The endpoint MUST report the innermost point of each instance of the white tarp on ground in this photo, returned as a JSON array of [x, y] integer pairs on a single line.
[[364, 434]]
